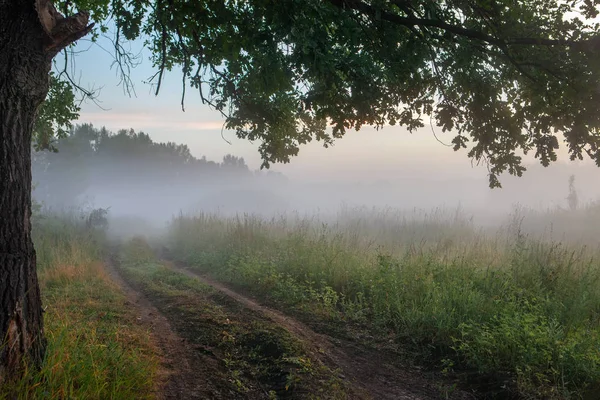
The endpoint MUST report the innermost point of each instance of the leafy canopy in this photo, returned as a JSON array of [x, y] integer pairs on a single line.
[[504, 76]]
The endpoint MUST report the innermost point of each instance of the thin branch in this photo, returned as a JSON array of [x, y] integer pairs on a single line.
[[125, 61], [222, 136], [91, 94], [434, 134], [183, 85], [185, 68], [163, 55]]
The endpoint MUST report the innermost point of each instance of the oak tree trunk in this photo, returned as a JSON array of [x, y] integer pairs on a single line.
[[28, 42]]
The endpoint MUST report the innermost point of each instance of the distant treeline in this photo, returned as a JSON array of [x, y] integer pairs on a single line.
[[91, 157]]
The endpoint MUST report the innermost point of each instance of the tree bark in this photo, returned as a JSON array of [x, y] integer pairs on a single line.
[[31, 33]]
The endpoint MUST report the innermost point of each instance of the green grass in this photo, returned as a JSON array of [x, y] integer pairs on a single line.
[[520, 312], [95, 349]]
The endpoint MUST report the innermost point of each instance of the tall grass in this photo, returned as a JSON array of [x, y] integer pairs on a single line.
[[578, 226], [95, 350], [522, 312], [63, 240]]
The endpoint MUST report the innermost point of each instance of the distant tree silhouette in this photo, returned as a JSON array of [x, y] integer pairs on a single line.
[[89, 156], [233, 163]]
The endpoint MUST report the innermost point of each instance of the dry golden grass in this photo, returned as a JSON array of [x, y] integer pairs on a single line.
[[96, 347]]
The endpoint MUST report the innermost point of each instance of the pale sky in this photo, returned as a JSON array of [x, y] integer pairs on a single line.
[[360, 156]]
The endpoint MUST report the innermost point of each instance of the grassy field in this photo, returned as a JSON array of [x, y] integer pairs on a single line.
[[517, 313], [509, 312], [95, 349]]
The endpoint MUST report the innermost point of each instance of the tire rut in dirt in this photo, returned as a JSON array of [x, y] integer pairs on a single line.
[[257, 358], [371, 374], [188, 373]]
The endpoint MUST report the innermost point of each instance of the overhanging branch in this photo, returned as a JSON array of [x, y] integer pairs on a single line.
[[412, 21]]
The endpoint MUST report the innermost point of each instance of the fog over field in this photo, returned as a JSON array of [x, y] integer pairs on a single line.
[[369, 168], [135, 176]]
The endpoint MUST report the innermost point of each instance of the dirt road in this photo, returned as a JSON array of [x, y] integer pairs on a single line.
[[195, 368], [368, 372]]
